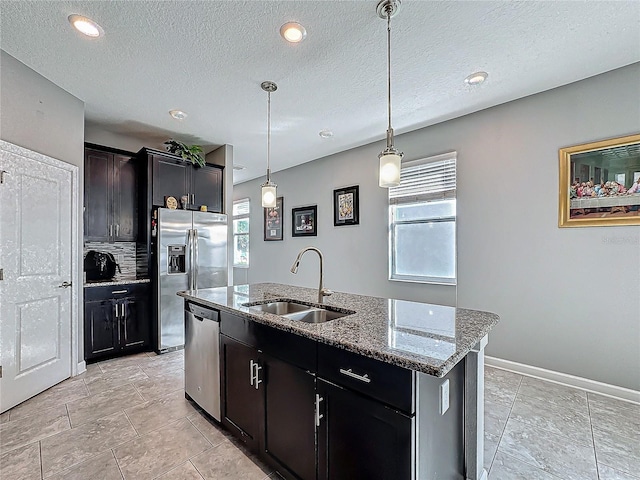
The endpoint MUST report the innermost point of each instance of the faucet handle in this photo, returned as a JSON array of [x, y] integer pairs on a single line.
[[326, 292]]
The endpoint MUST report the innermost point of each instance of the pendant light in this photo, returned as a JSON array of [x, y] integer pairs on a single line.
[[269, 188], [390, 157]]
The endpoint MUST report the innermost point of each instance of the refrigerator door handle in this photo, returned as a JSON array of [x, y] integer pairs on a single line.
[[190, 260], [195, 259]]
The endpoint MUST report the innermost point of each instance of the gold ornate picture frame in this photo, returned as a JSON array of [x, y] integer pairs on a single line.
[[600, 183]]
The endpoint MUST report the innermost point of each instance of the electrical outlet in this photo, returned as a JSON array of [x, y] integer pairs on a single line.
[[444, 397]]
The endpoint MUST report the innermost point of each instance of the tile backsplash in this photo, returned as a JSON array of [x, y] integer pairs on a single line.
[[132, 262]]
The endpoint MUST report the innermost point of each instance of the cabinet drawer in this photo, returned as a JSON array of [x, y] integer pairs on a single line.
[[116, 292], [389, 384]]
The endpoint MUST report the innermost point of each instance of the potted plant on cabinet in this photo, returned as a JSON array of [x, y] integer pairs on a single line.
[[190, 153]]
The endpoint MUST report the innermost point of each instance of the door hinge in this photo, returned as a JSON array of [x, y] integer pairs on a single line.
[[2, 173], [1, 273], [0, 371]]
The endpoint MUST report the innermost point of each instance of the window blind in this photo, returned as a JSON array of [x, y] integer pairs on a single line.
[[241, 207], [426, 180]]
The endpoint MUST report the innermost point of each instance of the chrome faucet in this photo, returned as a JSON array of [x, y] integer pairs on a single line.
[[322, 292]]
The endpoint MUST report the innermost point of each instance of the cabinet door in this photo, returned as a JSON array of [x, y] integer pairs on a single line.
[[289, 422], [206, 188], [134, 321], [360, 438], [100, 328], [170, 178], [241, 400], [98, 181], [125, 199]]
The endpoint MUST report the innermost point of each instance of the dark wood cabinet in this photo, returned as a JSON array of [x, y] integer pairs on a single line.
[[206, 187], [110, 197], [347, 425], [100, 328], [98, 191], [359, 437], [172, 176], [268, 393], [116, 320], [242, 403], [289, 427], [135, 321], [125, 199]]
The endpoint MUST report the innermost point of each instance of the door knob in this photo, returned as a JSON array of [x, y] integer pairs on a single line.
[[65, 285]]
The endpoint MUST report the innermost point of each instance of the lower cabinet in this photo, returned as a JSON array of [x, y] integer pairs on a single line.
[[116, 320], [269, 404], [306, 427], [361, 438], [242, 405], [290, 418]]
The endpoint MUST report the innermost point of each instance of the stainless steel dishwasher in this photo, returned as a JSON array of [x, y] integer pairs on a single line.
[[202, 357]]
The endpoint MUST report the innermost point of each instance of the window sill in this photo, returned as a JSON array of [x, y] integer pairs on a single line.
[[425, 280]]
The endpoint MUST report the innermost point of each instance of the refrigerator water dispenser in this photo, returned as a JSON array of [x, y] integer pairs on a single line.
[[176, 256]]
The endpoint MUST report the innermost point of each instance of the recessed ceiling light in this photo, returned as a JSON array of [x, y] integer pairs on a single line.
[[476, 78], [86, 26], [237, 166], [178, 114], [293, 32], [325, 133]]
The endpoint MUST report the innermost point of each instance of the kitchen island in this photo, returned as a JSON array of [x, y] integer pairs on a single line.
[[410, 373]]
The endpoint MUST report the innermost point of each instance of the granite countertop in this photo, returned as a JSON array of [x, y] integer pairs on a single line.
[[418, 336], [116, 281]]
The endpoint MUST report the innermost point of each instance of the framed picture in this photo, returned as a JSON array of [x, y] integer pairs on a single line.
[[274, 221], [600, 183], [303, 221], [346, 206]]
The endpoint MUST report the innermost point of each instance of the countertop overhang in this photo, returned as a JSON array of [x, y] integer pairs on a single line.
[[423, 337]]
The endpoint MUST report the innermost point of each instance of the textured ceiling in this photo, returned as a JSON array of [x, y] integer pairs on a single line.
[[208, 58]]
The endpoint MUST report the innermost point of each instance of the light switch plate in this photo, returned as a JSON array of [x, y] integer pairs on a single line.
[[444, 397]]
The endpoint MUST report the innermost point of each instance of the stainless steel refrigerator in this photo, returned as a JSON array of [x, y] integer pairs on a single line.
[[192, 254]]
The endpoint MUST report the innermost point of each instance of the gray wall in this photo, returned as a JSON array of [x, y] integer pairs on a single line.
[[40, 116], [569, 299], [95, 134]]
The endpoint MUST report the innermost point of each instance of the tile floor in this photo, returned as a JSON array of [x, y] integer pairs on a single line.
[[128, 418]]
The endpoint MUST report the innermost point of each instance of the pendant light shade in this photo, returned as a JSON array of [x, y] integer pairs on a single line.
[[269, 193], [390, 160], [390, 157]]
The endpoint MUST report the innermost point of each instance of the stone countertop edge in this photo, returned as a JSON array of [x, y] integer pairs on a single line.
[[366, 332], [122, 281]]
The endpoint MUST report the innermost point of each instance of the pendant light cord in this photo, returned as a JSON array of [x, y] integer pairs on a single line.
[[268, 136], [389, 65]]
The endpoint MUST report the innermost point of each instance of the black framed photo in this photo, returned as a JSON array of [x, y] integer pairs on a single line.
[[274, 221], [304, 221], [346, 206]]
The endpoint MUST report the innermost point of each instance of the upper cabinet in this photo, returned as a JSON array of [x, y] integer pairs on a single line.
[[110, 197], [206, 187], [171, 176]]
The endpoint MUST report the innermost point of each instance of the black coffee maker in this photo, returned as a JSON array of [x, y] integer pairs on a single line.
[[100, 265]]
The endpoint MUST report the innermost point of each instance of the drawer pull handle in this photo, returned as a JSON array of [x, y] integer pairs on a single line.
[[363, 378], [118, 291]]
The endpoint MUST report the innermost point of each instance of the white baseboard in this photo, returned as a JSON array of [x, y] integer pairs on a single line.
[[585, 384], [82, 367]]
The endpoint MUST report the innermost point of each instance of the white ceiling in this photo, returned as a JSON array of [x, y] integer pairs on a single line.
[[208, 58]]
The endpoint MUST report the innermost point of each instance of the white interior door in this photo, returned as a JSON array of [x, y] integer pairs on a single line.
[[36, 261]]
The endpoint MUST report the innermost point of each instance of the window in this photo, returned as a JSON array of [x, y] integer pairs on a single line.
[[241, 233], [422, 217]]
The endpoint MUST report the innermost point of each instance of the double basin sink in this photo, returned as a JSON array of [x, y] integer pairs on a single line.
[[294, 310]]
